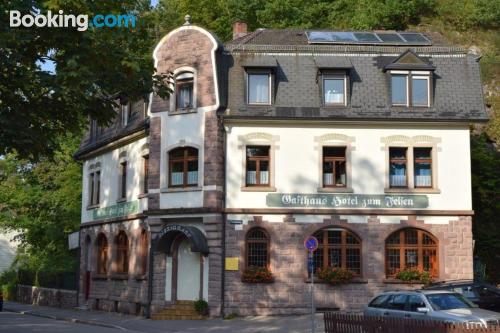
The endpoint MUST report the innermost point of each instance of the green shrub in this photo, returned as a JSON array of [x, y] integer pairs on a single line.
[[335, 275], [201, 306]]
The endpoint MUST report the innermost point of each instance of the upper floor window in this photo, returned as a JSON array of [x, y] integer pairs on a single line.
[[184, 91], [126, 114], [123, 180], [122, 252], [338, 248], [183, 167], [102, 254], [257, 248], [334, 167], [398, 167], [257, 165], [259, 87], [94, 188], [410, 88], [422, 166], [411, 248], [145, 172], [334, 90]]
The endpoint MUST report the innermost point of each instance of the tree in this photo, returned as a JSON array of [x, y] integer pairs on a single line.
[[42, 201], [93, 68]]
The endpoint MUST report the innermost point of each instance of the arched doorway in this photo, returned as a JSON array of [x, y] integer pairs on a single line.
[[186, 272]]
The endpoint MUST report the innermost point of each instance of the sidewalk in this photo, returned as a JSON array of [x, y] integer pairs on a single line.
[[282, 324]]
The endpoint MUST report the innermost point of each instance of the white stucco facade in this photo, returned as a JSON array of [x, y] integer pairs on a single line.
[[296, 160], [108, 164]]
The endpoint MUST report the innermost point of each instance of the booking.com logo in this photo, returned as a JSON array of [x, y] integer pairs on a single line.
[[61, 20]]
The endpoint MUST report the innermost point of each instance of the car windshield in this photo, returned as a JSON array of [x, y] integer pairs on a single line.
[[449, 302]]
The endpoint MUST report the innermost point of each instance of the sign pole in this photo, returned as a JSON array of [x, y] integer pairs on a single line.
[[311, 244], [313, 325]]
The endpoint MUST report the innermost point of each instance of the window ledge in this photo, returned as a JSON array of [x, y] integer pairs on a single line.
[[413, 190], [356, 280], [181, 189], [397, 281], [140, 277], [178, 112], [143, 195], [99, 277], [335, 190], [92, 207], [258, 189], [119, 276], [121, 200]]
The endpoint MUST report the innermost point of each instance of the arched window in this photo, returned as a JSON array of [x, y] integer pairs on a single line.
[[121, 242], [257, 248], [143, 252], [338, 248], [102, 254], [411, 248], [183, 167], [184, 91]]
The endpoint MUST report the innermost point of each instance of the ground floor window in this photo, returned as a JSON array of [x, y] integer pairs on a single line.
[[338, 248], [257, 248], [411, 248]]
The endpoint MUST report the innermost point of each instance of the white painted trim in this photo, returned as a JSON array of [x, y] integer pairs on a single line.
[[168, 278], [215, 47]]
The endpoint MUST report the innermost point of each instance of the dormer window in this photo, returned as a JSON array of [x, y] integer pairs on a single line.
[[184, 91], [410, 88], [334, 90], [126, 114], [259, 87]]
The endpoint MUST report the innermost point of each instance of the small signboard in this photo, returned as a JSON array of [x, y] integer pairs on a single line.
[[311, 243], [121, 209], [74, 240], [232, 264]]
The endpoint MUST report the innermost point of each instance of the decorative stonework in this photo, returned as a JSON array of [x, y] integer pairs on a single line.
[[334, 137]]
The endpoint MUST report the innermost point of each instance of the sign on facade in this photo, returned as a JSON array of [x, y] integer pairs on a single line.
[[74, 240], [346, 200], [121, 209], [232, 264]]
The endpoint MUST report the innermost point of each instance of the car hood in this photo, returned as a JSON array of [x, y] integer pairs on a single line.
[[472, 314]]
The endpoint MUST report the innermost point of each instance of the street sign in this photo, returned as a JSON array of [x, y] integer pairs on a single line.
[[311, 244]]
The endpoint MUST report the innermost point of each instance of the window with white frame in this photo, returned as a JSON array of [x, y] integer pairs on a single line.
[[334, 90], [259, 87], [184, 91], [410, 88]]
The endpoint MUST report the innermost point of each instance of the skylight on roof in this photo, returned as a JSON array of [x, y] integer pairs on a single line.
[[377, 38]]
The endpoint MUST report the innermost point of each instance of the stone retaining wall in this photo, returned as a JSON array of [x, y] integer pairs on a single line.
[[46, 296]]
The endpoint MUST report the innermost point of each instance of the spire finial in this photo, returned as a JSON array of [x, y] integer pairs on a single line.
[[187, 18]]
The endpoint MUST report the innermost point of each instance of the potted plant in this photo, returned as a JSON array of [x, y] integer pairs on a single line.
[[414, 275], [257, 275], [201, 306], [334, 275]]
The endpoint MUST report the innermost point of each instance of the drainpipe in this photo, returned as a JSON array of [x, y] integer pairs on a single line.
[[150, 277], [224, 220]]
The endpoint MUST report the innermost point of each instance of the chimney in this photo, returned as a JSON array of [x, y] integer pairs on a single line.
[[239, 29]]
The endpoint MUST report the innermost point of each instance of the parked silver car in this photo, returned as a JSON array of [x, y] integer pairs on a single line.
[[441, 305]]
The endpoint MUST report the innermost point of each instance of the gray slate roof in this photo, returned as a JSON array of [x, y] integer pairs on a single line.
[[456, 96]]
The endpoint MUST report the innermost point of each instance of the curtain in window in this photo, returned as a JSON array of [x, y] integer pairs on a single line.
[[192, 177], [419, 92], [258, 88], [334, 91], [398, 175], [423, 174], [251, 177], [328, 178], [185, 96]]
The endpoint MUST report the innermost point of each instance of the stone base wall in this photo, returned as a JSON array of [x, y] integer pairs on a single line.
[[290, 292], [46, 296]]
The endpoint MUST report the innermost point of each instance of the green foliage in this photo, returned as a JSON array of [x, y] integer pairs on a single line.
[[42, 202], [201, 306], [335, 275], [37, 106], [469, 14], [257, 275], [414, 275], [8, 285], [486, 202]]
